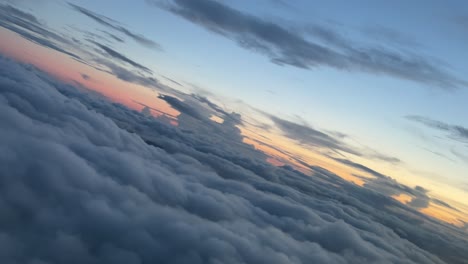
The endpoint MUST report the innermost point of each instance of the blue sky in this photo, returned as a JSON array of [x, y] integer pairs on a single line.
[[369, 104]]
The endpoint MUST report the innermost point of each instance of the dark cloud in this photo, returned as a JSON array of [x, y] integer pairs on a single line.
[[147, 107], [332, 140], [390, 187], [455, 132], [30, 28], [213, 106], [361, 167], [444, 204], [310, 136], [173, 81], [287, 47], [116, 55], [128, 75], [379, 156], [84, 180], [85, 76], [181, 106], [110, 23]]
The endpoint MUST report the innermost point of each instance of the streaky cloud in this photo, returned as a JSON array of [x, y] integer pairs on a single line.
[[29, 27], [455, 132], [287, 47], [122, 57], [110, 23], [128, 75]]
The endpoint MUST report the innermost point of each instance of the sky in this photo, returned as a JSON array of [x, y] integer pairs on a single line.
[[383, 82], [301, 120]]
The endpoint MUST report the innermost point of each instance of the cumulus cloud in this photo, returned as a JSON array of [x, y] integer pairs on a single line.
[[84, 180], [287, 47], [112, 24]]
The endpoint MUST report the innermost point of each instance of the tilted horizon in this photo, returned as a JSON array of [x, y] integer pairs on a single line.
[[205, 131]]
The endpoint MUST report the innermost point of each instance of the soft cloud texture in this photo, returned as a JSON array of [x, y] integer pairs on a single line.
[[30, 28], [116, 55], [83, 180], [332, 141], [455, 132], [112, 24], [286, 47]]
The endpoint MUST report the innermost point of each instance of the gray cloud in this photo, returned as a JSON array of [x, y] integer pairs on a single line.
[[285, 47], [85, 76], [332, 140], [455, 132], [128, 75], [114, 37], [310, 136], [181, 106], [173, 81], [110, 23], [29, 27], [390, 187], [116, 55], [84, 180], [361, 167]]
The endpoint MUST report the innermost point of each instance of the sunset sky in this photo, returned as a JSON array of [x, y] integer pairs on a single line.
[[366, 89]]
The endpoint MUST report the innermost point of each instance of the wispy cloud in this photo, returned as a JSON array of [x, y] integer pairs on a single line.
[[287, 47], [30, 28], [116, 55], [361, 167], [128, 75], [454, 132], [311, 137], [113, 24]]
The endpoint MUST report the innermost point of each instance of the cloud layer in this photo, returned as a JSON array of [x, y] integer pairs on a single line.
[[83, 180], [287, 47]]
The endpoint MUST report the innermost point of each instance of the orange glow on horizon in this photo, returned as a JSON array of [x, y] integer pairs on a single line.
[[216, 119], [445, 214], [68, 70], [402, 198], [280, 149], [290, 154]]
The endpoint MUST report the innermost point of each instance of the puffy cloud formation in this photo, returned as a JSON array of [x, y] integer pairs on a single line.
[[84, 180]]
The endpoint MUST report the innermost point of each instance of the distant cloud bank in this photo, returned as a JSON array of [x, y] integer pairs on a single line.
[[84, 180]]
